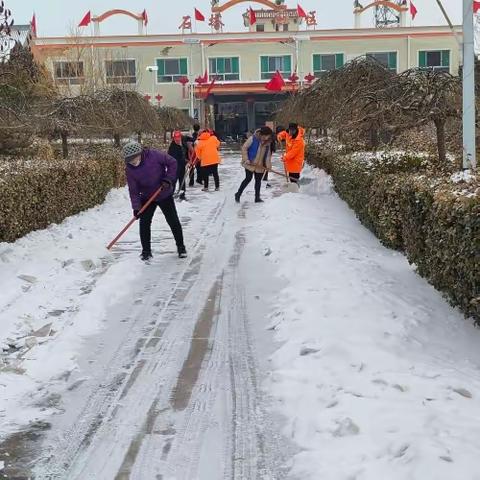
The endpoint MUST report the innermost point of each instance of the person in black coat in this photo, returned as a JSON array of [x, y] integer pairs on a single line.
[[177, 150]]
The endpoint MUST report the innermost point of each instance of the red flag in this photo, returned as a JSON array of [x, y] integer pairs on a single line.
[[276, 83], [199, 16], [145, 17], [476, 6], [413, 10], [33, 24], [252, 16], [210, 88], [301, 12], [86, 20]]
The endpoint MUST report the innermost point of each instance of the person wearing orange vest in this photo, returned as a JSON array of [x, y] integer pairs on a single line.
[[294, 150], [207, 151]]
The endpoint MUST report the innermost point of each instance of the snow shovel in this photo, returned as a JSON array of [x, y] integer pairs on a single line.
[[190, 165], [182, 184], [291, 186], [134, 219]]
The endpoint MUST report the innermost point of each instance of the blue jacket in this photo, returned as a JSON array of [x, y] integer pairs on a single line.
[[253, 149]]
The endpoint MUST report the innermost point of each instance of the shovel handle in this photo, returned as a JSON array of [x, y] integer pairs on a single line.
[[134, 219]]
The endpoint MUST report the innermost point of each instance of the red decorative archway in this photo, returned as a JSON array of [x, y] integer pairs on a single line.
[[111, 13], [384, 3], [232, 3]]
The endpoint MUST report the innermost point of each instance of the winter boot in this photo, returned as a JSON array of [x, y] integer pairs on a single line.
[[182, 252], [258, 200], [145, 256], [237, 197]]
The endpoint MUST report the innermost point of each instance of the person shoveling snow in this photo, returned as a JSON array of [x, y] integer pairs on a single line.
[[150, 171], [294, 156], [257, 160]]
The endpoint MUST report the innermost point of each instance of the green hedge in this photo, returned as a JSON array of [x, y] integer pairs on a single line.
[[435, 221], [36, 193]]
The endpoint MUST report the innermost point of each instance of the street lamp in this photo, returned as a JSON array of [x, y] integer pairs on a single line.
[[191, 42], [153, 69]]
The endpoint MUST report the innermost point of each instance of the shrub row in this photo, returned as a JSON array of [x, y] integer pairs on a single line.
[[425, 214], [36, 193]]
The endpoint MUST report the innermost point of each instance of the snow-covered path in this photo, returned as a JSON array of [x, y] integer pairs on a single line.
[[291, 344]]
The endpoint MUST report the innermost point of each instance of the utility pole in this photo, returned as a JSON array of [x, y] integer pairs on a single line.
[[469, 160]]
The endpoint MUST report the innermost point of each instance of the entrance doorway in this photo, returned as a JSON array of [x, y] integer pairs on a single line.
[[236, 114], [231, 119]]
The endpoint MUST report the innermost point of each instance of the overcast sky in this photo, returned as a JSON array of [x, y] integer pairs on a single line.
[[56, 17]]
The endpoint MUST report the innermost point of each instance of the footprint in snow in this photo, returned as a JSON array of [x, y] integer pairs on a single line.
[[463, 392], [308, 351], [346, 427]]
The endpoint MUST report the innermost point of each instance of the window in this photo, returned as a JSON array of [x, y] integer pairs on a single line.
[[171, 69], [224, 69], [69, 73], [283, 27], [325, 62], [387, 59], [260, 28], [436, 60], [121, 71], [269, 65]]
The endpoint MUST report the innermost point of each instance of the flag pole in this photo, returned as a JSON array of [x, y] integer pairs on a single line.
[[94, 73], [469, 160], [450, 24]]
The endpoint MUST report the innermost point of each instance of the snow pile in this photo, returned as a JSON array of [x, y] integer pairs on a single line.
[[377, 376], [463, 176], [316, 182]]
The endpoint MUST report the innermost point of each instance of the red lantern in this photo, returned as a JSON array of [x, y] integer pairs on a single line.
[[293, 78], [202, 80], [158, 98], [183, 81], [309, 78], [147, 97]]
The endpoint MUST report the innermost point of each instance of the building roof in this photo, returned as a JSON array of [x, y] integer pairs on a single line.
[[290, 12]]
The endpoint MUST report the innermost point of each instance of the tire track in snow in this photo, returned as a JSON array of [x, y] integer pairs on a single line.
[[98, 404]]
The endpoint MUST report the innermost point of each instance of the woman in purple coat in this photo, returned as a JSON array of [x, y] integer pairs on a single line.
[[147, 170]]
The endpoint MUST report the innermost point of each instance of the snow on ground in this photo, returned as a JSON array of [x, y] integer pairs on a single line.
[[463, 176], [375, 376], [56, 284]]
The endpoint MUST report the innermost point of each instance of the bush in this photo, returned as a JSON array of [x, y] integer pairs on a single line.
[[34, 194], [412, 208]]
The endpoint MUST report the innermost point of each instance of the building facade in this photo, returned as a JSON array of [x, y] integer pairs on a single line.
[[164, 68]]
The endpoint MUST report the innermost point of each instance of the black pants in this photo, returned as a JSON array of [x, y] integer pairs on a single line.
[[170, 212], [198, 169], [248, 179], [294, 177], [210, 170], [182, 185]]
